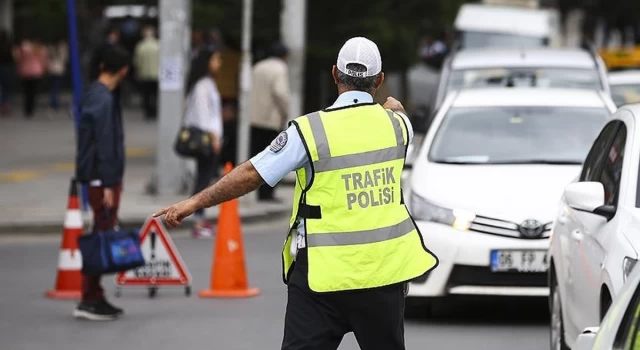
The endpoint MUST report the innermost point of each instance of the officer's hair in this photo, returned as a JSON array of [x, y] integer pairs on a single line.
[[362, 84]]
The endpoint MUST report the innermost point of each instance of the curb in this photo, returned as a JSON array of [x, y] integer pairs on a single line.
[[57, 227]]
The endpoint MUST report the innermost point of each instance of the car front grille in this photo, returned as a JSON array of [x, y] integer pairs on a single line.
[[498, 227], [465, 275]]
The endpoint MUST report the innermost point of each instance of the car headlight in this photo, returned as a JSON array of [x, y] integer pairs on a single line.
[[421, 209], [627, 266]]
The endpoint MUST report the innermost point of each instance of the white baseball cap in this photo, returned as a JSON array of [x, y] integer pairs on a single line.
[[360, 51]]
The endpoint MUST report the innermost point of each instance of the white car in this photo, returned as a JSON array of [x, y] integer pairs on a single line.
[[620, 328], [596, 235], [486, 181], [625, 87], [479, 25], [542, 67]]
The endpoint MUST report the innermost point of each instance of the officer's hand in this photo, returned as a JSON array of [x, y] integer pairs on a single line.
[[174, 214], [393, 105]]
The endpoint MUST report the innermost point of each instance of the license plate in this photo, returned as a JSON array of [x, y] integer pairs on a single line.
[[519, 260]]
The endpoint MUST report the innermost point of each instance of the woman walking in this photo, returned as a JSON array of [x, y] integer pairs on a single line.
[[204, 111], [31, 58]]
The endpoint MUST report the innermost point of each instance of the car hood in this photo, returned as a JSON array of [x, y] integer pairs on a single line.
[[506, 192]]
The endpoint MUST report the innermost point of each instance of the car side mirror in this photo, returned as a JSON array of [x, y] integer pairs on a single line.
[[588, 197], [586, 340]]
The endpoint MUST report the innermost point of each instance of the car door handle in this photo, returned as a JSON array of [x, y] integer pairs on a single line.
[[577, 235]]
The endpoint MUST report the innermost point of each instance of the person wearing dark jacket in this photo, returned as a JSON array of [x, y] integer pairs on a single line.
[[111, 39], [100, 163]]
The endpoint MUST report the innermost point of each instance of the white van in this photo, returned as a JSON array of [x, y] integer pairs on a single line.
[[482, 26]]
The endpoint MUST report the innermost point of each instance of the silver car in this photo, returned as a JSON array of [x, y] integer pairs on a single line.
[[541, 67]]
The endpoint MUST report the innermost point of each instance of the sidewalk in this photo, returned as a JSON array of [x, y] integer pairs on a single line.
[[37, 162]]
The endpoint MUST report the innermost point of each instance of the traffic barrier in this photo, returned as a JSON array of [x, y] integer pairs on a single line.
[[228, 271], [69, 277]]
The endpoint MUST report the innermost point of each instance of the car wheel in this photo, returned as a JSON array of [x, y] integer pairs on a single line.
[[605, 302], [557, 327]]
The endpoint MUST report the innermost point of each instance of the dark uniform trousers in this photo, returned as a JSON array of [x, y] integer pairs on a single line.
[[318, 321]]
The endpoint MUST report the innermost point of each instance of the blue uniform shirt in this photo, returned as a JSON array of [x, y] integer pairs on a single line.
[[273, 166]]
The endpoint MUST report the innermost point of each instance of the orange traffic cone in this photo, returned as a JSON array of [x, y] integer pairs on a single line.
[[69, 279], [228, 271]]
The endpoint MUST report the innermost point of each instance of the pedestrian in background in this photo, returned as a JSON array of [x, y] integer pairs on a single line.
[[100, 164], [58, 58], [269, 104], [7, 70], [352, 245], [204, 111], [31, 59], [111, 38], [146, 60]]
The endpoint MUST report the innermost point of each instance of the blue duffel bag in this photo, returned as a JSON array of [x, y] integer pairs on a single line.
[[110, 251]]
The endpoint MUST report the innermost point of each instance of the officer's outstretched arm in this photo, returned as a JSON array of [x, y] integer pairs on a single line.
[[236, 183]]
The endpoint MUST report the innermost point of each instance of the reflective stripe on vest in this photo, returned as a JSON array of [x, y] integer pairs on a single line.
[[361, 237], [361, 234], [327, 163]]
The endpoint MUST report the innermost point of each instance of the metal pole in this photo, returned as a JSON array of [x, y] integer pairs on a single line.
[[76, 76], [174, 44], [245, 84], [6, 15], [293, 32]]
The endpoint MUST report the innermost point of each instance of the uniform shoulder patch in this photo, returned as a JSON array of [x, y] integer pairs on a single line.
[[279, 142]]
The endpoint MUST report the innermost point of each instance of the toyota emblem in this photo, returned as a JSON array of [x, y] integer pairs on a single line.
[[531, 228]]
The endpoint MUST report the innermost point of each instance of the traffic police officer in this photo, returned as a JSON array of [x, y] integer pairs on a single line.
[[352, 246]]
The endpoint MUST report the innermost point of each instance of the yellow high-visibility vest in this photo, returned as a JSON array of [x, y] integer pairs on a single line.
[[359, 233]]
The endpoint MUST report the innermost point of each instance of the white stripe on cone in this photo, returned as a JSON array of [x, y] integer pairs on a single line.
[[70, 260], [73, 219]]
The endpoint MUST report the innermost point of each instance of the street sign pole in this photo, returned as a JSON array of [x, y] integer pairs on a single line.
[[293, 33], [245, 84], [175, 35], [76, 76]]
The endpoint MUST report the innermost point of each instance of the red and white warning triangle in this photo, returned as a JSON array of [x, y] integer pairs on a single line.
[[164, 265]]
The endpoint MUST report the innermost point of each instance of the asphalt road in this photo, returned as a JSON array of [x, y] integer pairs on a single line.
[[29, 321]]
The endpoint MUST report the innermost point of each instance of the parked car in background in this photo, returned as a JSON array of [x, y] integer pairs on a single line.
[[482, 26], [596, 236], [625, 87], [547, 67], [620, 328], [486, 181]]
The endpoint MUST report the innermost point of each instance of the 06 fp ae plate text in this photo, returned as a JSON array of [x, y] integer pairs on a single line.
[[519, 261]]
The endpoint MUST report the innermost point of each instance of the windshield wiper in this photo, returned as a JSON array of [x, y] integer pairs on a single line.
[[458, 162], [538, 161], [509, 162]]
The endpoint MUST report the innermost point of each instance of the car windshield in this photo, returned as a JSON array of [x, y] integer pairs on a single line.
[[517, 135], [474, 39], [530, 77], [625, 94]]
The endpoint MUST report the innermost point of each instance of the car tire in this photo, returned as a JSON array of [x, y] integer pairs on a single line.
[[418, 308], [556, 333]]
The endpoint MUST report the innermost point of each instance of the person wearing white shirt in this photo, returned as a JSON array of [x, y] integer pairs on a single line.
[[204, 111]]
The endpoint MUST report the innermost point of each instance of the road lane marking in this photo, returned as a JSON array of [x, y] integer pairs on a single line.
[[20, 176], [25, 175]]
